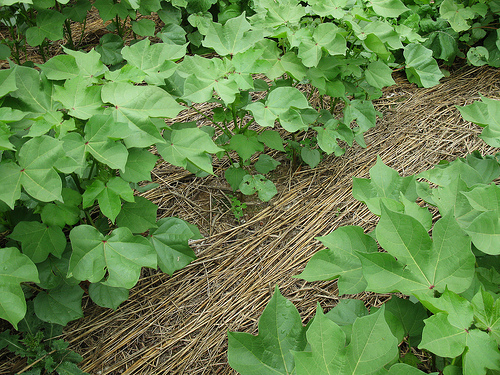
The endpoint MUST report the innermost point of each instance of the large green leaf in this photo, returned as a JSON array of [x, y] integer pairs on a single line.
[[90, 66], [339, 260], [487, 313], [39, 240], [81, 100], [60, 305], [140, 163], [16, 268], [7, 81], [49, 24], [388, 8], [119, 255], [487, 115], [132, 104], [421, 68], [233, 37], [156, 60], [34, 92], [270, 353], [379, 75], [328, 8], [170, 241], [372, 347], [191, 145], [416, 263], [60, 67], [35, 172]]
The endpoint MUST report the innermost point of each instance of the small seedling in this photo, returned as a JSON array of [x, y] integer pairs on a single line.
[[237, 207]]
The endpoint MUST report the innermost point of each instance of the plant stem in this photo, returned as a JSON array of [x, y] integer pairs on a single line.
[[248, 124], [225, 130], [235, 119]]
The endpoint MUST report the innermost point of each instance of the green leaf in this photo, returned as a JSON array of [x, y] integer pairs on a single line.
[[60, 67], [34, 92], [7, 81], [5, 134], [232, 37], [456, 14], [60, 305], [339, 260], [108, 195], [144, 27], [330, 132], [423, 264], [49, 24], [421, 68], [277, 103], [139, 165], [379, 75], [311, 157], [404, 369], [89, 64], [107, 296], [81, 101], [10, 184], [411, 315], [266, 164], [388, 8], [443, 45], [39, 240], [170, 240], [37, 174], [258, 184], [280, 333], [191, 145], [156, 60], [16, 268], [131, 104], [485, 114], [487, 313], [119, 255], [372, 347], [329, 8], [109, 48], [246, 145], [385, 184], [234, 175], [138, 216], [173, 34], [271, 139], [363, 112]]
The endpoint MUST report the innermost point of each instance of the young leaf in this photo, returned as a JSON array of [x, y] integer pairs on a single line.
[[170, 240], [60, 305], [266, 164], [379, 75], [456, 14], [388, 8], [411, 315], [107, 296], [7, 81], [234, 175], [144, 27], [280, 333], [246, 145], [310, 156], [277, 103], [487, 313], [271, 139], [16, 268], [120, 255], [258, 184], [109, 48], [383, 185], [89, 64], [340, 260]]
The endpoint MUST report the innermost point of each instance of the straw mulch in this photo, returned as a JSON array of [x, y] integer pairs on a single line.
[[179, 324]]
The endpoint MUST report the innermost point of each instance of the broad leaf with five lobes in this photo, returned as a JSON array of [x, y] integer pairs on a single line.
[[416, 263], [120, 255]]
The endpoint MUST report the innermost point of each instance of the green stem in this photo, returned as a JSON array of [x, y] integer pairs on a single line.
[[247, 125], [89, 219], [333, 104], [94, 164], [225, 130], [117, 24], [67, 26], [77, 182], [83, 31], [235, 119]]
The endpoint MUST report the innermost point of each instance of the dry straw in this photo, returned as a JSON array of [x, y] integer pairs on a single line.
[[179, 324]]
